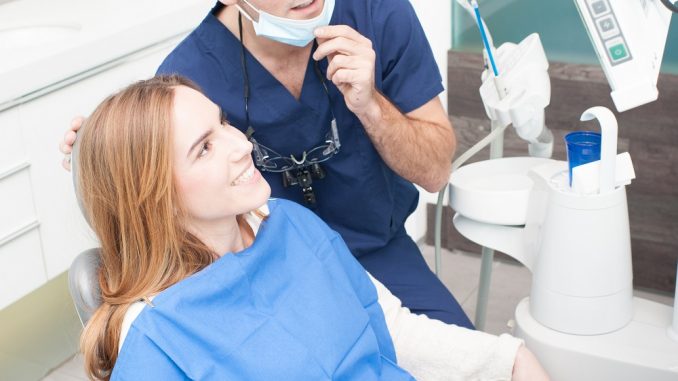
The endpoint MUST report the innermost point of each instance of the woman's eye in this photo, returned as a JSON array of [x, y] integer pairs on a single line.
[[204, 149]]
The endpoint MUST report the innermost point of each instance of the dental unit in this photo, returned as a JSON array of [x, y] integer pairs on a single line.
[[581, 319]]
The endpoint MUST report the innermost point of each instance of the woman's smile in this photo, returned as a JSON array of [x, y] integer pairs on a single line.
[[248, 176]]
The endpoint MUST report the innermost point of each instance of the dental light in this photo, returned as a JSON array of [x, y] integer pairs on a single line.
[[629, 38]]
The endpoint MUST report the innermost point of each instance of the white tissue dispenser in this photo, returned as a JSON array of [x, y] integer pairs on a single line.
[[581, 319]]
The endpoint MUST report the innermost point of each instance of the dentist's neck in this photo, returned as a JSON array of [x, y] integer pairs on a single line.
[[257, 45]]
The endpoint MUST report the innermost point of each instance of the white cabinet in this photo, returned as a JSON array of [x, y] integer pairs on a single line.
[[12, 149], [16, 205], [22, 268], [40, 221]]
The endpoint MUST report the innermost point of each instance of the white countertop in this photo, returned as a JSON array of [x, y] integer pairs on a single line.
[[43, 42]]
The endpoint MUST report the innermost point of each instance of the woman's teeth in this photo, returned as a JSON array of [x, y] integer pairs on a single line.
[[304, 5], [245, 177]]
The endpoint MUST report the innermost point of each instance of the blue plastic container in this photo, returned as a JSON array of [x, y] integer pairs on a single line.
[[582, 147]]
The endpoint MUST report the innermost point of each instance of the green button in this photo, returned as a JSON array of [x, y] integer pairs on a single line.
[[618, 52]]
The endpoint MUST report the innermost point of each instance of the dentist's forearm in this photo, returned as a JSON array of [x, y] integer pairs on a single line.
[[418, 150]]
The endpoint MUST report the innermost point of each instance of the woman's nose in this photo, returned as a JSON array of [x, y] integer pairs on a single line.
[[242, 148]]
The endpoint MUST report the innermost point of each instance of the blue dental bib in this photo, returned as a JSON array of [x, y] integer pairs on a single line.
[[296, 305]]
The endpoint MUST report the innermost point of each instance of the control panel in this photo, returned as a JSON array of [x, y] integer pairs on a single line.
[[608, 31], [629, 37]]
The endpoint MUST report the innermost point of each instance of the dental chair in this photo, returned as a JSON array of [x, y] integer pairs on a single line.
[[83, 283]]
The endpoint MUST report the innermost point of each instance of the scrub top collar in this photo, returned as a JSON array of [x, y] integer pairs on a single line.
[[221, 43], [246, 81]]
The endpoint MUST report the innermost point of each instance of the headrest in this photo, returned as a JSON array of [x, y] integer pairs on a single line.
[[83, 283]]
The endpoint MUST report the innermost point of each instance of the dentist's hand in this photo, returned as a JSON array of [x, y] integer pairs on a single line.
[[351, 65], [66, 146]]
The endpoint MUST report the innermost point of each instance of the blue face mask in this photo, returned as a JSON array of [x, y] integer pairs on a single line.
[[288, 31]]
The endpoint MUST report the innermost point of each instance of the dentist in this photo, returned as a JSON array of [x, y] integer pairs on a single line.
[[340, 99]]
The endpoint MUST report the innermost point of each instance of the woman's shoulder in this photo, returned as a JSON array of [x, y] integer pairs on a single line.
[[286, 206], [138, 352], [305, 221], [292, 210], [131, 315]]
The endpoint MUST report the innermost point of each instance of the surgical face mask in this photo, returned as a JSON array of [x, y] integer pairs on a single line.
[[289, 31]]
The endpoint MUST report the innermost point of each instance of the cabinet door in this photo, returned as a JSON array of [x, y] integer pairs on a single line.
[[22, 267], [16, 204], [12, 149], [63, 230]]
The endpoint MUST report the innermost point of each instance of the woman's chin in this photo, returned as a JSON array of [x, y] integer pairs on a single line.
[[263, 193]]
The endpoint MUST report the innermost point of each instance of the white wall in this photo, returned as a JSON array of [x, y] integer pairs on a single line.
[[436, 18]]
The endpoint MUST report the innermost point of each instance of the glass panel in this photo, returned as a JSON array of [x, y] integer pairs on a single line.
[[558, 23]]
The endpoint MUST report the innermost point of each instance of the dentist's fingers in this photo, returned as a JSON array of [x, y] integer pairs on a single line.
[[66, 162], [343, 45], [345, 62], [351, 64], [349, 77], [66, 145], [70, 135], [77, 122], [333, 31]]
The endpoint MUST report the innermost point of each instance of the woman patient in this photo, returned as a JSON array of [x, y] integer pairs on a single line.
[[204, 278]]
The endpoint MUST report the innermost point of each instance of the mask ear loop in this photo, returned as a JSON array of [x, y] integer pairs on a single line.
[[244, 12]]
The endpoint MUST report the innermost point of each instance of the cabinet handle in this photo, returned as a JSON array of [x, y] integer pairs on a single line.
[[18, 232], [12, 170], [129, 57]]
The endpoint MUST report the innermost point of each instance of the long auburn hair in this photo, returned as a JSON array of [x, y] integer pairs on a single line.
[[127, 188]]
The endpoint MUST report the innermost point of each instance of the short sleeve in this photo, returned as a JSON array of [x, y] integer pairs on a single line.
[[410, 74], [141, 359], [192, 60]]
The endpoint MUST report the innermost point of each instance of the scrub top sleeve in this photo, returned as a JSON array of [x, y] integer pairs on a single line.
[[192, 60], [410, 75], [141, 359], [177, 62]]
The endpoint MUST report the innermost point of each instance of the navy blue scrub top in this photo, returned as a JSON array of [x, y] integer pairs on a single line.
[[360, 197]]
